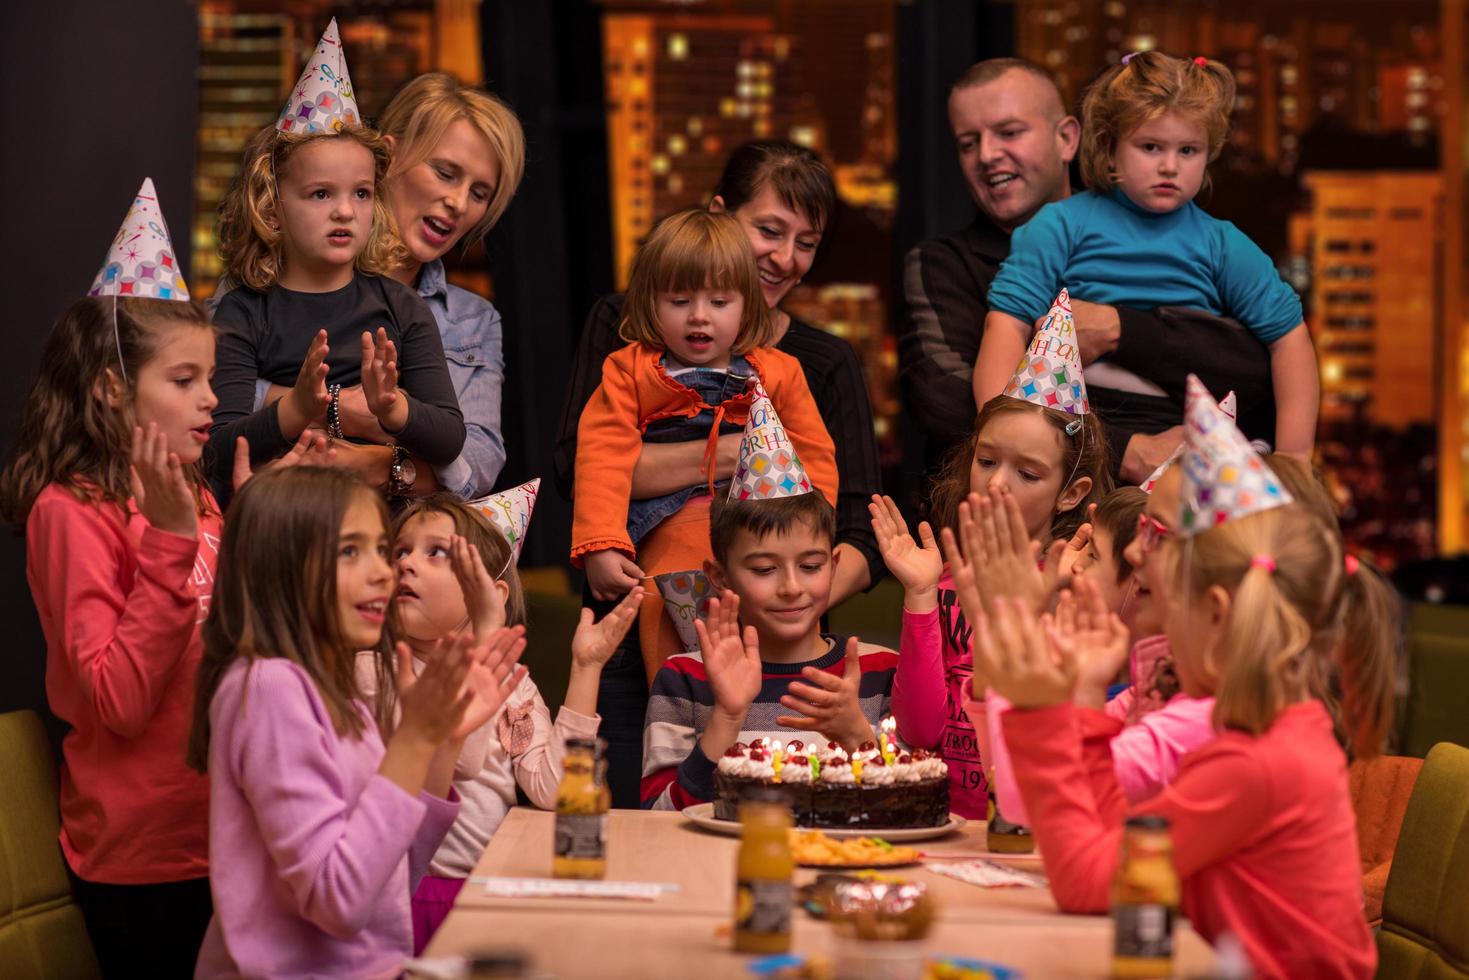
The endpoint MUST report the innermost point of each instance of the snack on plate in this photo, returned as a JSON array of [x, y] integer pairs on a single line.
[[827, 787], [812, 847]]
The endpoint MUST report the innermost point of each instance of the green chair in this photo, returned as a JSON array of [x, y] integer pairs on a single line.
[[42, 934], [1425, 909]]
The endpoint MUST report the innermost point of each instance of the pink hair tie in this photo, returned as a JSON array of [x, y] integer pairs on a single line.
[[1352, 564], [1263, 561], [1201, 62], [1129, 56]]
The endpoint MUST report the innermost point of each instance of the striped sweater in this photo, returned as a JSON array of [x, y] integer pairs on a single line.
[[677, 773]]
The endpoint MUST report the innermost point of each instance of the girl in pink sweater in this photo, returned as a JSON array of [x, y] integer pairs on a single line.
[[443, 550], [318, 830], [1044, 466], [121, 535], [1261, 818]]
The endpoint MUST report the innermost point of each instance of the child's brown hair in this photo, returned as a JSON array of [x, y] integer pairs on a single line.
[[1359, 637], [275, 593], [68, 433], [1149, 84], [689, 250], [1083, 454], [1117, 514], [483, 536], [250, 232], [727, 518]]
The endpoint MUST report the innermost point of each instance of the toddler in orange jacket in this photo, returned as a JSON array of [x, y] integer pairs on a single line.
[[698, 332]]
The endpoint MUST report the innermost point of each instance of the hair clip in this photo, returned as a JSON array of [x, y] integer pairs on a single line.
[[1352, 564], [1129, 56], [1073, 427], [1201, 62], [1263, 561]]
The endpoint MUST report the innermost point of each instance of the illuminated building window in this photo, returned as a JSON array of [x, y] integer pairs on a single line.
[[678, 47]]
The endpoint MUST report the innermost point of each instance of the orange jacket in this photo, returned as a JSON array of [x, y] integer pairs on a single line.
[[636, 391]]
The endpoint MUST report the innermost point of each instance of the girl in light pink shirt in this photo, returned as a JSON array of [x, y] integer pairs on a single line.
[[443, 551], [323, 810]]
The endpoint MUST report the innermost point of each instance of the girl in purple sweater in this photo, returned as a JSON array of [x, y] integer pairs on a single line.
[[317, 828]]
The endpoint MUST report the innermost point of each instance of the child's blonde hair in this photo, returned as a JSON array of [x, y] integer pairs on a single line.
[[1359, 638], [1147, 85], [424, 109], [1264, 659], [250, 232], [695, 249], [68, 433], [1083, 453], [483, 536]]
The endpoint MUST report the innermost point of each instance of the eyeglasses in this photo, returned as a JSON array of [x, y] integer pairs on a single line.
[[1150, 532]]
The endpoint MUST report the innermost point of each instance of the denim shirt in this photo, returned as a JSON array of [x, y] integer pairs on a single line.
[[473, 346], [714, 387]]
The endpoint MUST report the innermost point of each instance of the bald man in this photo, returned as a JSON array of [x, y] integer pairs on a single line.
[[1015, 142]]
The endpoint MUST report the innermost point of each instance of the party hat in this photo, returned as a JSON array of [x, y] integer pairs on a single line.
[[1227, 406], [322, 101], [510, 511], [686, 597], [1049, 372], [768, 466], [1223, 476], [141, 260]]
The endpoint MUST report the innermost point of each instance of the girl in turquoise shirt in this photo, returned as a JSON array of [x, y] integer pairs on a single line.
[[1151, 126]]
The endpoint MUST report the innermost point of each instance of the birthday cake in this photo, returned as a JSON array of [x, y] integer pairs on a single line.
[[827, 787]]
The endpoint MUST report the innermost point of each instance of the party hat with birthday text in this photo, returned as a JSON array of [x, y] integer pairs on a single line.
[[322, 100], [1049, 372]]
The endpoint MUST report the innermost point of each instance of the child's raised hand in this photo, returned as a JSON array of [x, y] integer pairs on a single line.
[[494, 674], [380, 381], [828, 704], [483, 599], [610, 573], [433, 703], [312, 449], [594, 642], [916, 566], [307, 400], [731, 658], [159, 488], [1085, 631], [1012, 650], [1067, 558], [1012, 567]]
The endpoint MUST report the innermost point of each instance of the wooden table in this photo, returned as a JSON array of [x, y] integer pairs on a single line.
[[685, 933]]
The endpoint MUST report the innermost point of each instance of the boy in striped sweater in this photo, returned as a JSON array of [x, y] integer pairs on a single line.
[[764, 666]]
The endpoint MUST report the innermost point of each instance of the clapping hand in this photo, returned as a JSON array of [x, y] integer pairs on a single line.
[[162, 494], [731, 657], [380, 381], [829, 704]]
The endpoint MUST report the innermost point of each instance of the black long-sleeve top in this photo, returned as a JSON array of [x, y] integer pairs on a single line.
[[265, 336], [946, 281], [834, 375]]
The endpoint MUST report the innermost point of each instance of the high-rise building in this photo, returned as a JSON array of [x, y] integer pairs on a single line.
[[1375, 256]]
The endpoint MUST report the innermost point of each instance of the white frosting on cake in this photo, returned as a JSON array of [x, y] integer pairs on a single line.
[[744, 767], [838, 773], [931, 768], [879, 775], [796, 772]]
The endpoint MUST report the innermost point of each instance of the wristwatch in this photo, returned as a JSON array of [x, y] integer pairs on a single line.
[[402, 474], [334, 412]]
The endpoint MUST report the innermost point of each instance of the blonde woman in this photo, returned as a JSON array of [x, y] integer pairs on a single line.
[[456, 158]]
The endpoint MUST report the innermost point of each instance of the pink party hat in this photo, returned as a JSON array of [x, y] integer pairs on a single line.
[[322, 100], [686, 597], [768, 466], [1227, 406], [1223, 476], [140, 261], [1049, 372], [510, 511]]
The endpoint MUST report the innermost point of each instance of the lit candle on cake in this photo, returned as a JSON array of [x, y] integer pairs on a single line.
[[889, 743], [778, 758]]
